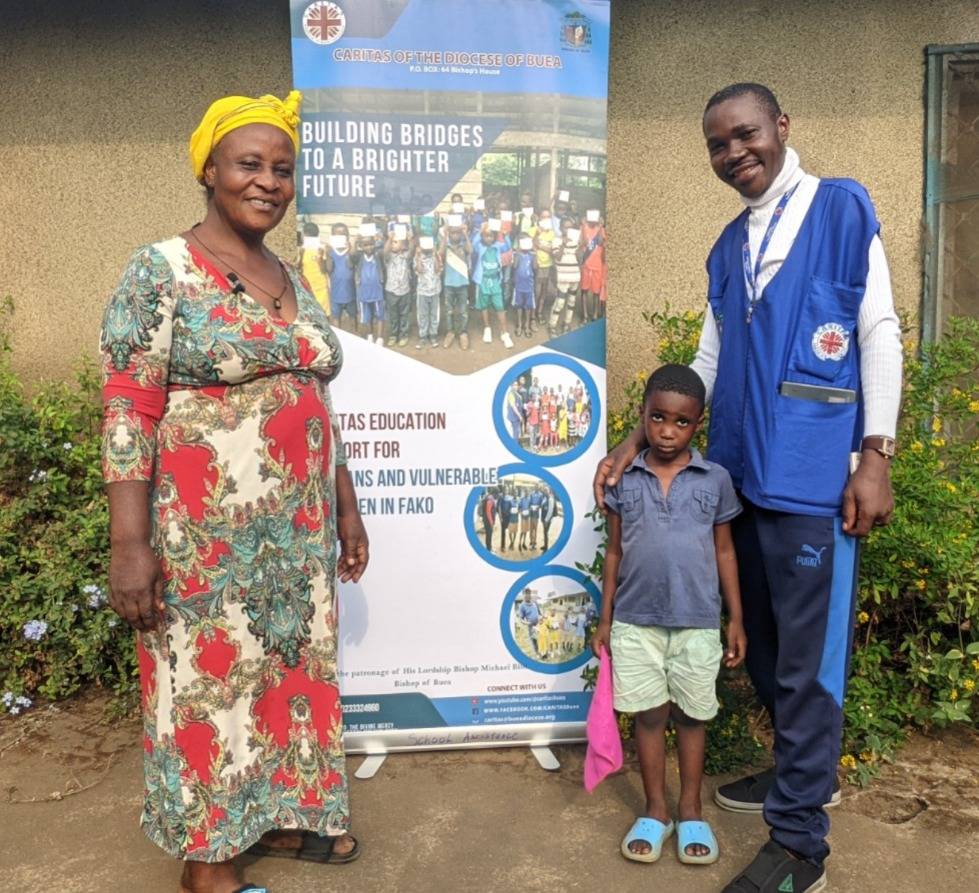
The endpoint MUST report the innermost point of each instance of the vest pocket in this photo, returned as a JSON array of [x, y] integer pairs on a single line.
[[823, 348], [808, 458]]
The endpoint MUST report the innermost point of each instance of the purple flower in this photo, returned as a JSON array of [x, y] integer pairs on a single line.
[[34, 630]]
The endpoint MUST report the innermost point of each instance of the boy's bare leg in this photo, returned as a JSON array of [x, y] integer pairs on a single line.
[[691, 736], [651, 748]]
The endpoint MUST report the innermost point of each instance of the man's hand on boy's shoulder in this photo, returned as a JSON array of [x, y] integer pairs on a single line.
[[736, 644]]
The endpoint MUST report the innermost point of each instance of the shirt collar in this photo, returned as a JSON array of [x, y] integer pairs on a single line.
[[696, 461], [790, 174]]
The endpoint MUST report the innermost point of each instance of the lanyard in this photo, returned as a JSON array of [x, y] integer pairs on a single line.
[[751, 276]]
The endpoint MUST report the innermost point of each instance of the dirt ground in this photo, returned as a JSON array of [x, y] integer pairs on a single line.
[[488, 820]]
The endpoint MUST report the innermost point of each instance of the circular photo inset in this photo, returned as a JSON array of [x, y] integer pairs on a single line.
[[524, 518], [546, 617], [546, 409]]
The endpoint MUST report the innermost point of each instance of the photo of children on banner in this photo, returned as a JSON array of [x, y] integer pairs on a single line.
[[552, 629], [519, 518], [402, 278], [547, 410]]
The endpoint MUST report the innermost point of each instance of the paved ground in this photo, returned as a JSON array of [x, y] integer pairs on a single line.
[[474, 821]]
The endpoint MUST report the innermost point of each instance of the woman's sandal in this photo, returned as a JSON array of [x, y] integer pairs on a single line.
[[651, 831], [695, 833], [313, 849]]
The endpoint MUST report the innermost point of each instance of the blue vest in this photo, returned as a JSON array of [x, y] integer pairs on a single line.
[[787, 453]]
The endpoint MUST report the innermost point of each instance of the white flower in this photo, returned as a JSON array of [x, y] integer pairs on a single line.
[[67, 446], [8, 698], [34, 630]]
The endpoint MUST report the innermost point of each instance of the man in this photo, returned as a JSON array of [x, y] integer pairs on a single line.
[[801, 351]]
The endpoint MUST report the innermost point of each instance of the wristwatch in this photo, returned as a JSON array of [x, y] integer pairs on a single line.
[[881, 443]]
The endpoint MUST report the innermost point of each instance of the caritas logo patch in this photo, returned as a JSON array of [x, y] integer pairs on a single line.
[[831, 341]]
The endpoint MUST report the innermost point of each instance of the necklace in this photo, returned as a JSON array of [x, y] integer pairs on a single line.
[[234, 277]]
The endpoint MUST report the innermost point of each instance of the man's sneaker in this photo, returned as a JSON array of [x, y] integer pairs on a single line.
[[775, 870], [464, 341], [402, 342], [449, 338], [748, 794], [370, 339], [487, 335], [392, 341], [507, 340]]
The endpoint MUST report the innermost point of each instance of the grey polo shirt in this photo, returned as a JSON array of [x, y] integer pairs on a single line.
[[668, 573]]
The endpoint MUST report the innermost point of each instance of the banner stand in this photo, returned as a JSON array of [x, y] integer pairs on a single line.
[[451, 221]]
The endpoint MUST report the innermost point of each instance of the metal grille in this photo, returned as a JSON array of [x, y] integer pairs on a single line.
[[951, 274]]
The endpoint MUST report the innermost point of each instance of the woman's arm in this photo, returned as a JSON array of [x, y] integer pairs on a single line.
[[135, 347], [354, 545], [135, 575]]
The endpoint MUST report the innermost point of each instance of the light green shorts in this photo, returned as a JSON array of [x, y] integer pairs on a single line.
[[653, 664]]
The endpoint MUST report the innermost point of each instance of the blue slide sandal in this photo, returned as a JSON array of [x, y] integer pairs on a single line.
[[696, 833], [651, 831]]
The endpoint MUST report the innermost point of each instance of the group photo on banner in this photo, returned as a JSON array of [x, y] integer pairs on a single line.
[[451, 221]]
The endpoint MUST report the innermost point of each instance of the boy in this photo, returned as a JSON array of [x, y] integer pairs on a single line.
[[488, 275], [670, 510], [544, 276], [593, 267], [397, 288], [524, 266], [567, 266], [311, 264], [428, 270], [369, 285], [338, 266], [455, 265]]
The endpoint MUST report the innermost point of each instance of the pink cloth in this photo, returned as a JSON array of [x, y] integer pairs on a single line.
[[604, 754]]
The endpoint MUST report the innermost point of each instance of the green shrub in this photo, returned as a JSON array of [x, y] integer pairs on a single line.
[[916, 638], [916, 660], [55, 630]]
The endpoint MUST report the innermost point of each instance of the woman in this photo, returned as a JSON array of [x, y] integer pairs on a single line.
[[227, 491]]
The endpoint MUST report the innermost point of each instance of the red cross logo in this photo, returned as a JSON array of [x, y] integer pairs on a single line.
[[831, 343], [324, 22]]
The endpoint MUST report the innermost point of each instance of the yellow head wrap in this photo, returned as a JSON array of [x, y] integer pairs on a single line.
[[232, 112]]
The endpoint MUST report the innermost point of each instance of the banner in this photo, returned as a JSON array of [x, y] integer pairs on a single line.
[[451, 221]]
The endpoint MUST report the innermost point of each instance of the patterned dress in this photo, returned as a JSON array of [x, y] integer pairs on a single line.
[[226, 411]]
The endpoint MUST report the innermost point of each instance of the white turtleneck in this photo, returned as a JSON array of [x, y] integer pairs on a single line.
[[878, 329]]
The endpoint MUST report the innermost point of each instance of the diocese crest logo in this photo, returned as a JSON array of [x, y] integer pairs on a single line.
[[830, 342], [576, 32], [324, 22]]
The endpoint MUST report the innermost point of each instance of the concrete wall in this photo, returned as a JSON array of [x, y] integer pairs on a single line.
[[98, 100]]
